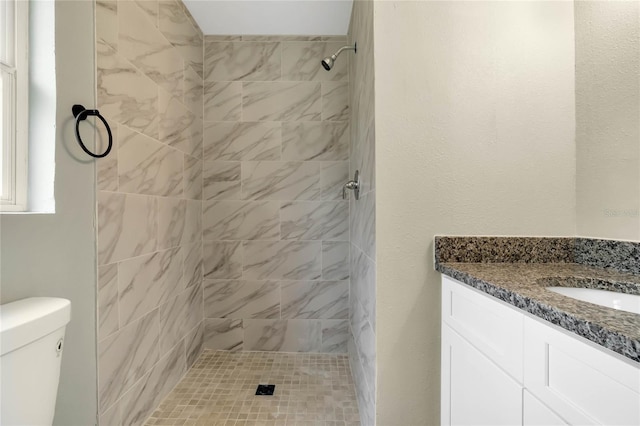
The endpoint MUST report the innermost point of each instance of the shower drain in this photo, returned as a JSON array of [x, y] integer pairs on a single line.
[[265, 389]]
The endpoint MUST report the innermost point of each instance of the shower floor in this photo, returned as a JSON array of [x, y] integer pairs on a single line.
[[311, 389]]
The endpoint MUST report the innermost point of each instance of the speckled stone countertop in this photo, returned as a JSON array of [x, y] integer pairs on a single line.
[[521, 282]]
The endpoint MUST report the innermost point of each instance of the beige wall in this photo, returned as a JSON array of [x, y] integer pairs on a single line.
[[474, 128], [275, 228], [362, 295], [55, 254], [608, 119], [150, 301]]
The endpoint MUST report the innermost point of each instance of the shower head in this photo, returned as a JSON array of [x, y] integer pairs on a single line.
[[327, 63]]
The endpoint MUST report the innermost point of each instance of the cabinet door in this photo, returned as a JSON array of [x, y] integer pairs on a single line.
[[580, 382], [489, 324], [538, 414], [475, 391]]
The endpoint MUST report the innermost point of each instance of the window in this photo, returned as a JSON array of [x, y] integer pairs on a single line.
[[14, 96]]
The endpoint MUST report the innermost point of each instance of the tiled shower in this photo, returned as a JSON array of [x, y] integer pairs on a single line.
[[221, 223], [275, 227], [149, 86]]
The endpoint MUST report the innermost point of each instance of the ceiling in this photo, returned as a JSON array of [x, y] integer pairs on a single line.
[[271, 17]]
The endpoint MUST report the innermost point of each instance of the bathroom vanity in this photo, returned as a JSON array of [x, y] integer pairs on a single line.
[[515, 352]]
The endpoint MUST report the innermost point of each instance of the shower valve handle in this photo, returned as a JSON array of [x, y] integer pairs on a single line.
[[353, 185]]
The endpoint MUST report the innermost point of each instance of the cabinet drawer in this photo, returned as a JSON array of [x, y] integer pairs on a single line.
[[581, 383], [492, 326]]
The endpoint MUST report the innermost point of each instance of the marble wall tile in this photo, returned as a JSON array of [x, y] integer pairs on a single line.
[[242, 299], [335, 100], [278, 180], [107, 167], [300, 61], [333, 176], [363, 159], [241, 220], [193, 264], [320, 141], [223, 334], [107, 22], [365, 342], [282, 335], [171, 222], [246, 141], [148, 167], [149, 7], [335, 335], [191, 19], [335, 38], [281, 101], [111, 417], [140, 401], [315, 220], [193, 222], [193, 53], [222, 259], [246, 61], [361, 346], [150, 88], [221, 180], [193, 91], [196, 132], [363, 283], [125, 95], [147, 281], [140, 42], [222, 101], [194, 344], [127, 226], [315, 300], [280, 163], [289, 260], [366, 399], [363, 222], [280, 38], [175, 124], [107, 300], [208, 38], [192, 178], [176, 26], [335, 260], [126, 356], [179, 316]]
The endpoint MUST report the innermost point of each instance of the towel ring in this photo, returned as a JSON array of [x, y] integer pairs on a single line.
[[81, 113]]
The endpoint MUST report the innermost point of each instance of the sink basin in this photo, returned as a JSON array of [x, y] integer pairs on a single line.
[[610, 299]]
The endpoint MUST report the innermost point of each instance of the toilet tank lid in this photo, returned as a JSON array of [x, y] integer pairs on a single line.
[[27, 320]]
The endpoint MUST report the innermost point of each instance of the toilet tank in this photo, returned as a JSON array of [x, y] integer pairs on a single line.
[[31, 340]]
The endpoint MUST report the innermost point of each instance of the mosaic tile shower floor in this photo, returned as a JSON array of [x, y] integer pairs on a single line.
[[311, 389]]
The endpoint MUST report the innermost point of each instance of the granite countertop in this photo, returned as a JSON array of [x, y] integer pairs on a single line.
[[522, 284]]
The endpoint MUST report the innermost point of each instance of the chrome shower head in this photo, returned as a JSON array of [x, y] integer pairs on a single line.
[[327, 63]]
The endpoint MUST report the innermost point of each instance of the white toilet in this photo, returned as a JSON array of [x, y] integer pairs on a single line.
[[31, 335]]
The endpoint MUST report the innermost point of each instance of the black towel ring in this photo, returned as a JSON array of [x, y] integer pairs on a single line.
[[81, 113]]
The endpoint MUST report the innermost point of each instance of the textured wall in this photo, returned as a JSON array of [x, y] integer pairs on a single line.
[[608, 119], [362, 301], [474, 120], [275, 230], [149, 85], [54, 254]]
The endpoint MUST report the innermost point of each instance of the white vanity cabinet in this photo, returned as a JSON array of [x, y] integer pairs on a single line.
[[501, 366]]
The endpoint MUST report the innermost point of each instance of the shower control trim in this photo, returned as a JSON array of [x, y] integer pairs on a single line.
[[353, 185]]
